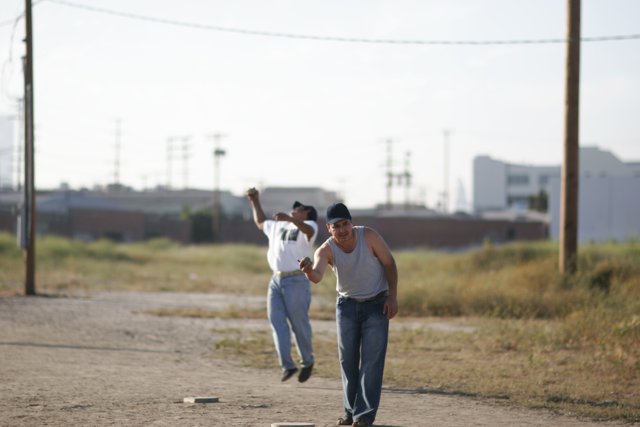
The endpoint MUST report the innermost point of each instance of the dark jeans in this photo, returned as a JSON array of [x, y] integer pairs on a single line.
[[363, 331]]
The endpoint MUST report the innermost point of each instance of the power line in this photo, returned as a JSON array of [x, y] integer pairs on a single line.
[[9, 61], [15, 20], [9, 21], [335, 38], [4, 88]]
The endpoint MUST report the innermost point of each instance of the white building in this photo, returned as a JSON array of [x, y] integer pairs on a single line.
[[500, 186], [609, 193]]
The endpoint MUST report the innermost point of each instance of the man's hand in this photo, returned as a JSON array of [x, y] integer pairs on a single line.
[[252, 194], [305, 264], [390, 307]]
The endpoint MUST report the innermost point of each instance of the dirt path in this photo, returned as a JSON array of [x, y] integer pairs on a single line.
[[98, 360]]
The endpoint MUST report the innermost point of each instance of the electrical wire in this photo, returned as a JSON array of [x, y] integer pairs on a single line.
[[9, 22], [334, 38], [5, 72], [15, 20]]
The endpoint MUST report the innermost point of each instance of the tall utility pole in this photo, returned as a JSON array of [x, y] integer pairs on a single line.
[[185, 162], [216, 210], [571, 164], [390, 174], [397, 179], [172, 145], [406, 176], [116, 161], [169, 160], [445, 181], [20, 146], [29, 173]]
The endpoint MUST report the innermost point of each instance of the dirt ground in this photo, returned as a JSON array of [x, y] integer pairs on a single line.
[[97, 359]]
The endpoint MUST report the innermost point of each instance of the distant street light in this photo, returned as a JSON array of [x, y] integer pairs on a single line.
[[216, 208]]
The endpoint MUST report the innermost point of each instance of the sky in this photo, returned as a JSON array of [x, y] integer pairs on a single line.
[[119, 81]]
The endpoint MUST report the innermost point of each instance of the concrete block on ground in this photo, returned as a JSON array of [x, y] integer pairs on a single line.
[[201, 399], [292, 425]]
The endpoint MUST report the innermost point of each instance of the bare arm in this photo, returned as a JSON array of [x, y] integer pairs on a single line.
[[258, 214], [302, 226], [322, 258], [383, 253]]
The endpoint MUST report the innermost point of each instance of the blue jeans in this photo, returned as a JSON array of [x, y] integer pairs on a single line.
[[288, 304], [363, 331]]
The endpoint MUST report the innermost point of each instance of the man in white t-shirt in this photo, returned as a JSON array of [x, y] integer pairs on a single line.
[[291, 237]]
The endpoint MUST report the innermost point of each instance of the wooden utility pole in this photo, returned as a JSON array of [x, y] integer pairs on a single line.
[[29, 175], [571, 164]]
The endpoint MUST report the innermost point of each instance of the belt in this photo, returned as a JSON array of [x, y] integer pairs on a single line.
[[375, 297], [282, 274]]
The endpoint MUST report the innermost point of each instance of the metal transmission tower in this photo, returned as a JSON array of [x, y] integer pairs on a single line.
[[570, 166], [170, 141], [172, 146], [186, 148], [389, 171], [397, 179], [218, 153], [406, 177]]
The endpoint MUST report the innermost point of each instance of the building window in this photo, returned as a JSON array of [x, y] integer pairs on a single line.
[[543, 180], [519, 203], [518, 180]]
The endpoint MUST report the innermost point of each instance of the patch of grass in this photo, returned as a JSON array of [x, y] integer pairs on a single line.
[[231, 312], [157, 265], [515, 281], [256, 349], [8, 246], [542, 339], [522, 363], [531, 362]]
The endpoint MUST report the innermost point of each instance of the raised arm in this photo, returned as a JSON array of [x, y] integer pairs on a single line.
[[258, 214], [302, 226], [383, 253], [322, 258]]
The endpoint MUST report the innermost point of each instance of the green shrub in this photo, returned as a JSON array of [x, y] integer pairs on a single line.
[[9, 246]]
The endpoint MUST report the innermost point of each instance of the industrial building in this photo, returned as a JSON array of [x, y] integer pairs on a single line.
[[126, 215], [609, 194]]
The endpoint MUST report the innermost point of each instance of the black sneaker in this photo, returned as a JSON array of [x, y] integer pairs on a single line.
[[288, 373], [305, 373]]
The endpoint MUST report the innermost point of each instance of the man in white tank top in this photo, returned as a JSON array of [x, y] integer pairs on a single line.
[[367, 285], [291, 237]]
